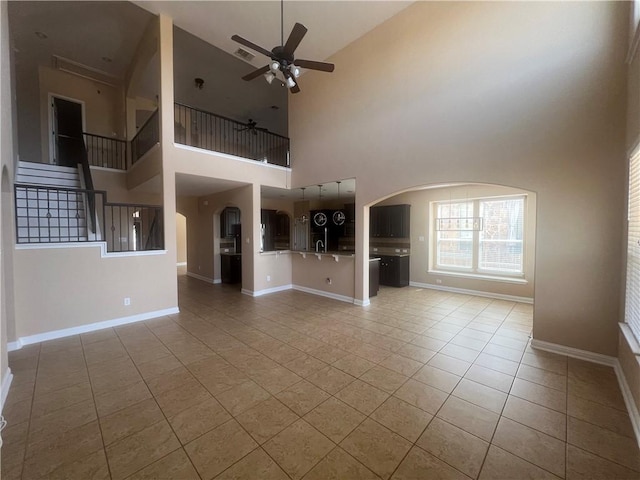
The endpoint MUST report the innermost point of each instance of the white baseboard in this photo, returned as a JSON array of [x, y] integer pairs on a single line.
[[267, 291], [90, 327], [322, 293], [200, 277], [362, 303], [598, 358], [574, 353], [181, 264], [217, 281], [475, 293], [4, 390]]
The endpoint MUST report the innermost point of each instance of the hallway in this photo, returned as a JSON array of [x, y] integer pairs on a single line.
[[421, 384]]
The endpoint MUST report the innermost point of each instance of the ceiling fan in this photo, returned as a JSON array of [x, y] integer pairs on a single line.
[[282, 56], [252, 126]]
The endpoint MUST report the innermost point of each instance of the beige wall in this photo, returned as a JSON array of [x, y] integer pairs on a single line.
[[523, 94], [104, 108], [79, 287], [421, 226], [114, 182], [272, 270], [203, 231], [628, 359], [311, 272], [6, 204], [181, 238]]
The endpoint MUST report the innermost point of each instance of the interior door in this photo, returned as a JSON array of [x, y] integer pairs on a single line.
[[67, 132]]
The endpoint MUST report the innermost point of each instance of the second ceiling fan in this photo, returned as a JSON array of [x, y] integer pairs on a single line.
[[282, 56]]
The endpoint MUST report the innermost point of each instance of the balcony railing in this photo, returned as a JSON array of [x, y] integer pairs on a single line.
[[59, 215], [106, 152], [147, 137], [209, 131]]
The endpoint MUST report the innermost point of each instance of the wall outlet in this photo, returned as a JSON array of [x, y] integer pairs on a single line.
[[404, 250], [329, 280], [375, 249], [438, 281], [397, 250], [268, 278], [421, 238], [127, 301], [226, 250]]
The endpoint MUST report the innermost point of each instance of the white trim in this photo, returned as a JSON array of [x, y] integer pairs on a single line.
[[630, 338], [475, 293], [322, 293], [362, 303], [101, 245], [200, 277], [607, 360], [6, 384], [91, 327], [574, 352], [11, 346], [181, 264], [230, 157], [519, 280], [267, 291], [107, 169]]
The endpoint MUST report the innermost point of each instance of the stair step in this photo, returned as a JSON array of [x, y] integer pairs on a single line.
[[45, 167], [48, 181]]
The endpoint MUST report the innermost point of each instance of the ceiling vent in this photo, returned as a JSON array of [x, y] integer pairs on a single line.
[[243, 54], [75, 68]]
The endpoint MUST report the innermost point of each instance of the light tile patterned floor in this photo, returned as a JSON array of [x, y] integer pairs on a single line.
[[420, 385]]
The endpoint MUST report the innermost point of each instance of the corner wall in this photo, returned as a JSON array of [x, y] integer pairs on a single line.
[[629, 350], [7, 314]]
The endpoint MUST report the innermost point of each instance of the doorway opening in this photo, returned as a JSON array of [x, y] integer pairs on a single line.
[[67, 127]]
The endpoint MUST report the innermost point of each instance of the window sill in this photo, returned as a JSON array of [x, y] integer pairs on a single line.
[[480, 276], [630, 338]]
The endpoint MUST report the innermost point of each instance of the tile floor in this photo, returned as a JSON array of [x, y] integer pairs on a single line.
[[420, 385]]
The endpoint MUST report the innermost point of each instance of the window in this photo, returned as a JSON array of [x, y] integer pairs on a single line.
[[482, 236], [632, 302]]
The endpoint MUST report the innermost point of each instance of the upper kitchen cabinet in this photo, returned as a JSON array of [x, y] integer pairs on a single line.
[[275, 230], [390, 221], [229, 218]]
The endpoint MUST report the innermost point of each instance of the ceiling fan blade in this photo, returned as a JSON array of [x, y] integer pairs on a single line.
[[295, 37], [251, 45], [295, 88], [311, 65], [256, 73]]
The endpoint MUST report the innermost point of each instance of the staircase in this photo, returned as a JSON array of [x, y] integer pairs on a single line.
[[50, 205]]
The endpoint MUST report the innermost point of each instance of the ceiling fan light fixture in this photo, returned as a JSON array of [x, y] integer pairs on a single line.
[[295, 71], [274, 66], [291, 82], [269, 76]]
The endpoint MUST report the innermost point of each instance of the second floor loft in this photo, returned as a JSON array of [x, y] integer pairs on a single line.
[[115, 90], [193, 127]]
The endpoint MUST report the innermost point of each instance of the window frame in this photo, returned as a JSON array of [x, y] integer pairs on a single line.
[[475, 271]]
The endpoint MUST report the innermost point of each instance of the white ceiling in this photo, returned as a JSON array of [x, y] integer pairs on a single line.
[[332, 24]]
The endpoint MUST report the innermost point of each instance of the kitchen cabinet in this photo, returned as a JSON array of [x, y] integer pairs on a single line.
[[390, 221], [394, 270], [268, 221], [231, 268], [374, 276], [229, 217]]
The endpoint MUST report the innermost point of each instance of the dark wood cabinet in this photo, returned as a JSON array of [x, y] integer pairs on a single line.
[[394, 270], [374, 276], [229, 217], [390, 221], [268, 221], [231, 268]]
